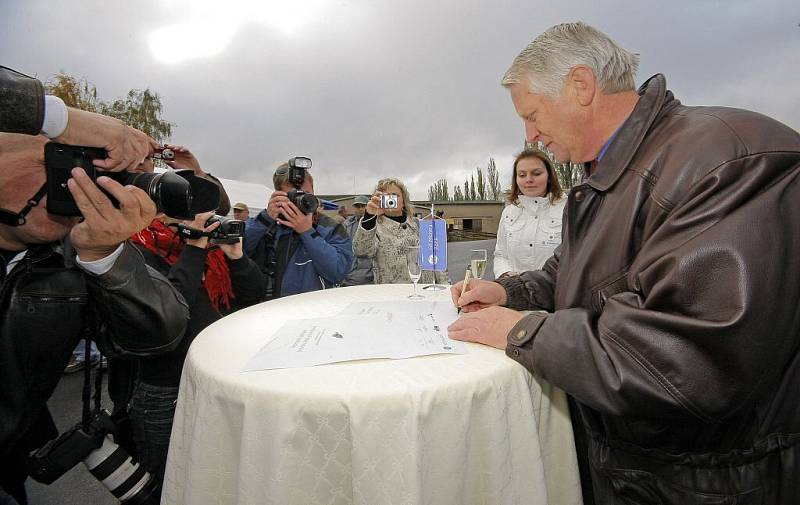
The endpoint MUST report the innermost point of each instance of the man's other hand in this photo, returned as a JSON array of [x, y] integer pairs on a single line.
[[127, 147], [489, 326]]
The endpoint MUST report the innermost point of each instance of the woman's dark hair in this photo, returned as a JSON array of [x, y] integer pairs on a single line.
[[554, 191]]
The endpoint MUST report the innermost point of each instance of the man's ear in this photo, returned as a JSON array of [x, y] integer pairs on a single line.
[[581, 81]]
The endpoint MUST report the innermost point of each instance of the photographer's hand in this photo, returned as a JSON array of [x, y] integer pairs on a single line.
[[293, 218], [233, 251], [374, 204], [199, 223], [127, 147], [184, 159], [277, 198], [105, 227]]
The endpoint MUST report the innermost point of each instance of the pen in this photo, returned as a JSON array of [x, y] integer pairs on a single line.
[[464, 286]]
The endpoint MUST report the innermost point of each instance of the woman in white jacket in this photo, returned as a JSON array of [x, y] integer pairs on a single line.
[[530, 226]]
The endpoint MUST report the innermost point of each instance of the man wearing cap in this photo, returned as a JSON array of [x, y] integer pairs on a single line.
[[241, 211], [361, 271]]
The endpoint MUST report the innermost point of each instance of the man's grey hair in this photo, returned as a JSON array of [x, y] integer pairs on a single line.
[[547, 61]]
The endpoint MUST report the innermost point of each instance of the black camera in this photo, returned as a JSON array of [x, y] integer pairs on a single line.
[[229, 230], [109, 463], [296, 175], [179, 193]]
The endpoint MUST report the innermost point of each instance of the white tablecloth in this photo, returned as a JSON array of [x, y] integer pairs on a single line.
[[447, 429]]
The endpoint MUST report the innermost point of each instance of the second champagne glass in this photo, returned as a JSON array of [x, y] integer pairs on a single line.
[[414, 269], [477, 262]]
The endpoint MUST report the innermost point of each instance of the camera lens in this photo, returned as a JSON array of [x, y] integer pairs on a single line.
[[179, 194], [124, 477]]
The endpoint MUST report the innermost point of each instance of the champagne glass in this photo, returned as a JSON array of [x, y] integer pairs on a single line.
[[477, 262], [414, 269]]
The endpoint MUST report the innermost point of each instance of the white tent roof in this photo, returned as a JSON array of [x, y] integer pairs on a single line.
[[254, 195]]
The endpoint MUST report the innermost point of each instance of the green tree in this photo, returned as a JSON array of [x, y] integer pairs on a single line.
[[139, 109], [77, 93], [494, 191], [480, 185], [457, 194], [439, 191], [472, 194], [142, 110]]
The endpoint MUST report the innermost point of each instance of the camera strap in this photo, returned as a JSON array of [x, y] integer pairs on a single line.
[[88, 333], [188, 232], [10, 218]]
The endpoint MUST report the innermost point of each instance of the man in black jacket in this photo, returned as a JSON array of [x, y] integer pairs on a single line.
[[50, 298]]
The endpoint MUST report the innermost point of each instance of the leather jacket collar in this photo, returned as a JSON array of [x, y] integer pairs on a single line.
[[655, 99]]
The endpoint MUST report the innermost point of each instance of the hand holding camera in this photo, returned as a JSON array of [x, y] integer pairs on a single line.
[[126, 147], [286, 213], [181, 158], [200, 223], [384, 203], [104, 226]]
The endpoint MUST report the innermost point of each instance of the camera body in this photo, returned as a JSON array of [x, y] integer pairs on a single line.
[[388, 201], [59, 455], [107, 461], [163, 153], [229, 230], [306, 202], [179, 193], [296, 175]]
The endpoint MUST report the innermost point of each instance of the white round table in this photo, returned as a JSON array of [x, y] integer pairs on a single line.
[[446, 429]]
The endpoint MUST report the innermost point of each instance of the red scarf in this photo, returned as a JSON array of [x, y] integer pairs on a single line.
[[162, 240]]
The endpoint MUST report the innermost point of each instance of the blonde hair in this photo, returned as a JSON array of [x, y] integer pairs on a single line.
[[384, 183], [545, 64]]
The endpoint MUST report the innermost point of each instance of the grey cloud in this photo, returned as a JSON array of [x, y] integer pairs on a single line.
[[409, 89]]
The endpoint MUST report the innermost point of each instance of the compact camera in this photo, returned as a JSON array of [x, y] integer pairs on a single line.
[[176, 193], [388, 201], [107, 461], [296, 175], [163, 153]]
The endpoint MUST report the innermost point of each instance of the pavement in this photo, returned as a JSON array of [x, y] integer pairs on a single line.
[[79, 487]]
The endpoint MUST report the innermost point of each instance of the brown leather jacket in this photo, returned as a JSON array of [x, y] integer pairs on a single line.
[[676, 293]]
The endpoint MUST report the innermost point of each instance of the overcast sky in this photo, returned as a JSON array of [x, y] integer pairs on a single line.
[[377, 88]]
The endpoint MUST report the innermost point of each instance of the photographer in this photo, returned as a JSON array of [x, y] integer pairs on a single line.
[[53, 291], [387, 231], [216, 280], [299, 251], [25, 109]]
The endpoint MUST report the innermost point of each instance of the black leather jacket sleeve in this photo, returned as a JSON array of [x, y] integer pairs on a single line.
[[139, 312], [21, 103], [534, 290]]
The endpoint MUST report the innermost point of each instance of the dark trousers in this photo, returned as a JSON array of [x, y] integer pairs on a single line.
[[151, 411]]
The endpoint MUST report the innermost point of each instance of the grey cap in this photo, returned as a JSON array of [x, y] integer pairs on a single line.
[[361, 200]]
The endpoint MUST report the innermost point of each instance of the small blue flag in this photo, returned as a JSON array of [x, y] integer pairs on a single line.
[[433, 244]]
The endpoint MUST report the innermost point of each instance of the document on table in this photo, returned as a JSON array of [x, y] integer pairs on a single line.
[[362, 331]]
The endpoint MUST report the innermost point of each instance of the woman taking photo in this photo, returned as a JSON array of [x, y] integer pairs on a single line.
[[530, 226], [385, 234]]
